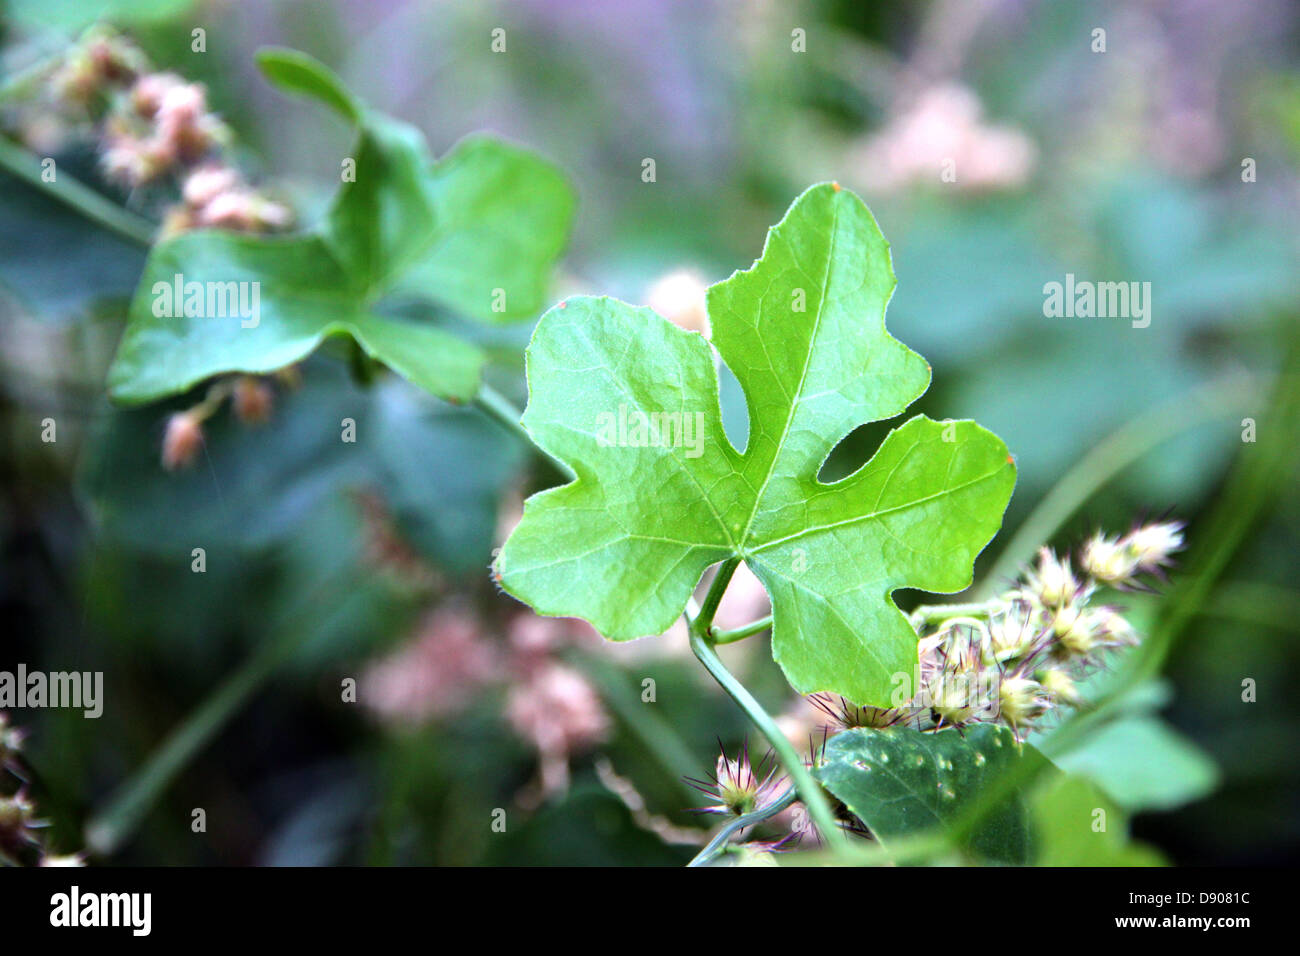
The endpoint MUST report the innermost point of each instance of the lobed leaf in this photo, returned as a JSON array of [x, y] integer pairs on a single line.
[[477, 232], [625, 544]]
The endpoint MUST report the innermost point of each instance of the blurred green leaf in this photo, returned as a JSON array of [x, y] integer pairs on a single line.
[[292, 70], [441, 471], [1143, 764], [1075, 825], [478, 232]]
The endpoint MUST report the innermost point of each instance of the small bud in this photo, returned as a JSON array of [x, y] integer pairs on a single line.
[[207, 183], [737, 787], [253, 400], [182, 441]]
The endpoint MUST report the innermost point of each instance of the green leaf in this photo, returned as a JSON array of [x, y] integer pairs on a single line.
[[477, 232], [1143, 764], [1075, 825], [294, 71], [901, 782], [625, 544], [441, 471]]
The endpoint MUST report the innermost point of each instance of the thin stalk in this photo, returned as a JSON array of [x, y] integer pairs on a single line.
[[26, 166], [128, 806], [810, 791], [740, 633], [719, 841], [713, 597], [1106, 460], [500, 408], [928, 613]]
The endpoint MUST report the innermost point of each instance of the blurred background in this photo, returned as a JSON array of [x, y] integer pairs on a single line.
[[1168, 156]]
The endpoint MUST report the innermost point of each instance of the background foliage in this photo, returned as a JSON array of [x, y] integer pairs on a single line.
[[1135, 175]]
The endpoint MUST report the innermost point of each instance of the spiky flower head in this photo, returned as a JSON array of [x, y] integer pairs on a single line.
[[1013, 632], [1152, 546], [848, 715], [1107, 560], [1147, 549], [1051, 581], [1020, 700], [737, 786], [1059, 685]]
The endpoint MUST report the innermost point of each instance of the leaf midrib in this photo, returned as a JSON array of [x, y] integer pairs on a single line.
[[803, 374]]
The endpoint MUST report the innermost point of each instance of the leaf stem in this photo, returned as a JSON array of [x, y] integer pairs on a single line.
[[928, 613], [498, 407], [810, 791], [26, 166], [740, 633]]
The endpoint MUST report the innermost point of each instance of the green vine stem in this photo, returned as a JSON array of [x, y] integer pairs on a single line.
[[715, 846], [740, 633], [499, 408], [26, 166], [929, 613], [810, 791], [1111, 456], [127, 807]]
